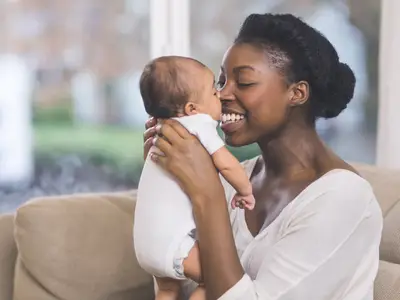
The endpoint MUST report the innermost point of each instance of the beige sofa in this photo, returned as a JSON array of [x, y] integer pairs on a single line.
[[79, 247]]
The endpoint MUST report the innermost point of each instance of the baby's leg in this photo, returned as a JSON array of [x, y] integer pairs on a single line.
[[192, 266], [198, 294], [168, 289], [192, 269]]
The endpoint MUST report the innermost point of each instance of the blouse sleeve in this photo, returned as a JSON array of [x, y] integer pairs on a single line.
[[330, 241]]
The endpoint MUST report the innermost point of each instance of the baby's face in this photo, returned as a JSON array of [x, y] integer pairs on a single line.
[[208, 100]]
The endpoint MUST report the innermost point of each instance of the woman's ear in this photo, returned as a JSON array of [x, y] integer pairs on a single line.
[[300, 93], [190, 109]]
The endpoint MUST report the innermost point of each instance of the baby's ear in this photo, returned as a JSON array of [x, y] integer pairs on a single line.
[[190, 108]]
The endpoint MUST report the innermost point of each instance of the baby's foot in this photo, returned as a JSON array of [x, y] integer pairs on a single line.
[[247, 202]]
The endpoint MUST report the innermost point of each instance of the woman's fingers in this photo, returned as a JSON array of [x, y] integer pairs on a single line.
[[163, 145], [151, 122], [178, 128], [158, 159], [169, 133], [148, 137], [146, 148], [149, 133]]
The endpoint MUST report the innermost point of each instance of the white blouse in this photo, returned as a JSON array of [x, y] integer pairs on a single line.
[[324, 245]]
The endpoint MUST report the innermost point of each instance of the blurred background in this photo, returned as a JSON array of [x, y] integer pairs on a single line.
[[71, 116]]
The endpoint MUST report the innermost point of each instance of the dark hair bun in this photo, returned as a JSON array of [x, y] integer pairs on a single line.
[[339, 94], [303, 54]]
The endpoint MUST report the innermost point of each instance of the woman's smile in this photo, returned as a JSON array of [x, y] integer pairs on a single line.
[[231, 120], [230, 126]]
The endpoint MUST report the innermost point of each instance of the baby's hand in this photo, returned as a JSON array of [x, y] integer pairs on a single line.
[[247, 202]]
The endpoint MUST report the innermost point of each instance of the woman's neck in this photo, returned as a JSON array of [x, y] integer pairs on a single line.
[[296, 150]]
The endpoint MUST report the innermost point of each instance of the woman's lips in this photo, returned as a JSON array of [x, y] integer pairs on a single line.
[[231, 126]]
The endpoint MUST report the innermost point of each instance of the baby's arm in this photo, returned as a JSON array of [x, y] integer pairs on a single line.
[[235, 174]]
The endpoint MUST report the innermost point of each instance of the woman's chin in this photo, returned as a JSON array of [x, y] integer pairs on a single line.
[[233, 140], [234, 133]]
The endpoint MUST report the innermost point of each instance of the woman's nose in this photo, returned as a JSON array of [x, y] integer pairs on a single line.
[[226, 95]]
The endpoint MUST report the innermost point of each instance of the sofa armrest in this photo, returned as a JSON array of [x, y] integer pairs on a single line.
[[78, 247], [8, 255]]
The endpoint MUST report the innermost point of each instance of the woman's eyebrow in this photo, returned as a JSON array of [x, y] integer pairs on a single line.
[[240, 68]]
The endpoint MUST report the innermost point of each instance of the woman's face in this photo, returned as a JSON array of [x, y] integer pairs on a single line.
[[254, 96]]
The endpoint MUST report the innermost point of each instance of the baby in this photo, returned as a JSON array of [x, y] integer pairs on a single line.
[[164, 230]]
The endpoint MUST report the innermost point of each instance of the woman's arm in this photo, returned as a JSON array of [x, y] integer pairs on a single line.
[[219, 259], [188, 161]]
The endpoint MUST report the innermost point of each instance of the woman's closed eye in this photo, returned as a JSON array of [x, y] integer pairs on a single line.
[[245, 84]]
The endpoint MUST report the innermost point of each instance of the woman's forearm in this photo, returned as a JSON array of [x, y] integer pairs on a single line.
[[219, 260]]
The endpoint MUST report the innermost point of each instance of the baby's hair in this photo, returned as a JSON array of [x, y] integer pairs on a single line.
[[299, 52], [165, 86]]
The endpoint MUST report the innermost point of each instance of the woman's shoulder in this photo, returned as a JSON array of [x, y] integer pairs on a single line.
[[345, 182], [340, 191]]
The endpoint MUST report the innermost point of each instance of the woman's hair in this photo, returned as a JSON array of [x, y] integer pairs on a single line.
[[300, 52]]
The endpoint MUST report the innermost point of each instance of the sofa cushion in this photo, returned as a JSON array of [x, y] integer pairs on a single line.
[[390, 244], [386, 184], [8, 254], [387, 284], [78, 247]]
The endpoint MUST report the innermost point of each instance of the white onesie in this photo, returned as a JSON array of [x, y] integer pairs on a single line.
[[163, 223]]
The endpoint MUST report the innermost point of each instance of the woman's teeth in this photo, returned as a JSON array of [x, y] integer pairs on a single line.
[[230, 118]]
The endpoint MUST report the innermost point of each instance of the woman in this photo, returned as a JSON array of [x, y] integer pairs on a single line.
[[315, 231]]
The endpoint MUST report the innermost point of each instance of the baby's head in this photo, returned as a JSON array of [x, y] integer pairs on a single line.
[[174, 86]]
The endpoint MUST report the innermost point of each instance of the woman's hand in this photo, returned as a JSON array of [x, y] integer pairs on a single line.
[[149, 135], [186, 159]]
